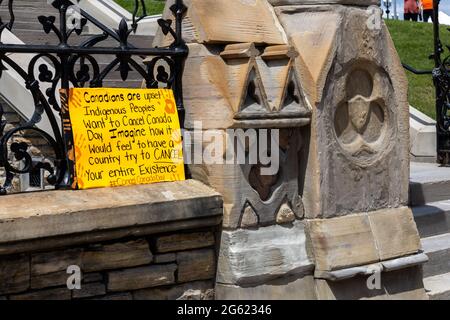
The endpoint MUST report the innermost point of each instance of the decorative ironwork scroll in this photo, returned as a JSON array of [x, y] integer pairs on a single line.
[[78, 66]]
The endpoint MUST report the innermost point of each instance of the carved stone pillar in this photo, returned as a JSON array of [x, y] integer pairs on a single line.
[[325, 79], [356, 183]]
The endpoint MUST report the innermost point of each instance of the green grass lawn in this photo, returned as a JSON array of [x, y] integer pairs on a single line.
[[414, 43], [153, 6]]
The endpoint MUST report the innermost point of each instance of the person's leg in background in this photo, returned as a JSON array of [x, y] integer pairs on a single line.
[[427, 14]]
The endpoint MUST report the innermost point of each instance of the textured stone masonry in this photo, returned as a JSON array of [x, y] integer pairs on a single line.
[[121, 270]]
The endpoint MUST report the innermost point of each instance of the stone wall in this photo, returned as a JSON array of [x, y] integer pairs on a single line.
[[165, 266], [162, 247]]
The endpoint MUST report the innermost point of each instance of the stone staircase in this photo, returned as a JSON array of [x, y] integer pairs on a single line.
[[430, 201]]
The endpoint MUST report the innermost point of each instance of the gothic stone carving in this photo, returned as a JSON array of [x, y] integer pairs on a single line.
[[358, 148]]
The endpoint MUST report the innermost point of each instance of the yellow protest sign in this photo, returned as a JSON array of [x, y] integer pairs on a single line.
[[124, 136]]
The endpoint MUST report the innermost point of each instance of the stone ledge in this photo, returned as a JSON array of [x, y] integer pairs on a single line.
[[253, 257], [33, 216], [385, 266]]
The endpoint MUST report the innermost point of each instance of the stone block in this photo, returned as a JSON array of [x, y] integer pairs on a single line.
[[173, 292], [364, 238], [184, 241], [403, 284], [165, 258], [252, 257], [51, 262], [50, 294], [342, 242], [288, 288], [48, 280], [14, 274], [116, 256], [142, 277], [422, 136], [395, 232], [196, 265], [92, 277], [216, 21], [89, 290]]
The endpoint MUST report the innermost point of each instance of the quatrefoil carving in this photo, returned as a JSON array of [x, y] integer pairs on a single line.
[[362, 120]]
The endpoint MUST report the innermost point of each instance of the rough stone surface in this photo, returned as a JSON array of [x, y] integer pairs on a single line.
[[285, 215], [23, 216], [438, 286], [45, 263], [196, 265], [89, 290], [54, 279], [395, 233], [165, 258], [249, 218], [289, 288], [140, 278], [355, 80], [252, 257], [342, 242], [212, 21], [364, 238], [51, 294], [173, 293], [404, 284], [92, 277], [14, 274], [180, 242], [116, 256]]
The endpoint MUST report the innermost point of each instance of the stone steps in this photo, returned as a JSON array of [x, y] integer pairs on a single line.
[[437, 248], [433, 218], [438, 287], [430, 202], [429, 183]]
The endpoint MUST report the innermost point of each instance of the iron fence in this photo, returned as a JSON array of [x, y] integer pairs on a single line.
[[77, 66], [441, 80]]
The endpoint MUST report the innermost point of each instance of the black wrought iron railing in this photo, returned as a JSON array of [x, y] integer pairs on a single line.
[[78, 66], [441, 79]]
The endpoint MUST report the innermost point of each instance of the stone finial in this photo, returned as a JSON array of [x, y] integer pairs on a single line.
[[285, 215], [249, 217]]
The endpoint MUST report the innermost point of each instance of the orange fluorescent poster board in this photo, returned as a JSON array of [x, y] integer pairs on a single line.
[[123, 137]]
